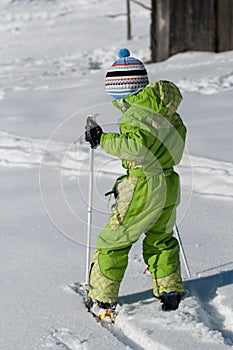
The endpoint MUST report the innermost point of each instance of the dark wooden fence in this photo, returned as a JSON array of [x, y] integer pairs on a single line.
[[190, 25]]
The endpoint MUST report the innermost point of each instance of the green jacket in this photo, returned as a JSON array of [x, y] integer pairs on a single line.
[[152, 134]]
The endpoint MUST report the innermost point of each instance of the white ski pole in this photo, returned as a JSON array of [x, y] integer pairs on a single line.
[[90, 121], [89, 218], [182, 252]]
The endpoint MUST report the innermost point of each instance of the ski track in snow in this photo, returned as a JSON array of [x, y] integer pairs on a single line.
[[205, 316], [215, 311], [201, 175], [66, 340]]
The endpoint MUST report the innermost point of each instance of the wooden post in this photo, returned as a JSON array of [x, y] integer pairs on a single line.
[[129, 35], [160, 29], [224, 30]]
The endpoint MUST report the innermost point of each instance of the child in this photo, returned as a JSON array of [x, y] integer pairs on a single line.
[[151, 141]]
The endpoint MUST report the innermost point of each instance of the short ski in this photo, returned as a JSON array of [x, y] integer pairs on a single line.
[[100, 313]]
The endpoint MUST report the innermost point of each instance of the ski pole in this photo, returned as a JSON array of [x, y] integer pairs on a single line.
[[89, 219], [182, 252], [90, 123]]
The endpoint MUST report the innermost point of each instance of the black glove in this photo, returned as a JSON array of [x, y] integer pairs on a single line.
[[93, 132]]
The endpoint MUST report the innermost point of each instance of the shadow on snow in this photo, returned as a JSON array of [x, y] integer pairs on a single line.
[[204, 289]]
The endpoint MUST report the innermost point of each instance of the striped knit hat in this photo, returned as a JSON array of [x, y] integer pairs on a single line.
[[126, 75]]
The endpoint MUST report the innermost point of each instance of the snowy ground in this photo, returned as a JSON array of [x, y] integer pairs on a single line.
[[53, 57]]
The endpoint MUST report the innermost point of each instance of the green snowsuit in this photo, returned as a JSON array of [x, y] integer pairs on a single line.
[[151, 141]]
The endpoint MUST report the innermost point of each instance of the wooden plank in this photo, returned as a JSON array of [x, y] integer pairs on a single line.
[[193, 25], [224, 29], [177, 33], [204, 23], [160, 30]]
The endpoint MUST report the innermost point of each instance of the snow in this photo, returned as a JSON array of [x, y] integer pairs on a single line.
[[53, 58]]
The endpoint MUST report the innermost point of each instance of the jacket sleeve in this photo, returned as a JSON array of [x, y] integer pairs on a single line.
[[132, 144]]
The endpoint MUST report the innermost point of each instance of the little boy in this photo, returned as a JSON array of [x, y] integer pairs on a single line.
[[150, 143]]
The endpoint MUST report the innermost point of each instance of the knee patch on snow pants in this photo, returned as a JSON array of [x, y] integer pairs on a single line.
[[171, 283], [102, 288]]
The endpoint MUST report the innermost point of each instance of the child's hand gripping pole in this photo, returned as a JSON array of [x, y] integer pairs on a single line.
[[93, 131]]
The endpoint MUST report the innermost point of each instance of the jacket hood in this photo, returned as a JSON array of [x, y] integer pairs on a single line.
[[163, 97], [169, 94]]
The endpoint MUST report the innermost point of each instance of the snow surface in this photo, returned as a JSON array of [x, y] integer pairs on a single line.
[[53, 57]]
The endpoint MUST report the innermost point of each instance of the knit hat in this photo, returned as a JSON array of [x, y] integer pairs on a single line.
[[126, 75]]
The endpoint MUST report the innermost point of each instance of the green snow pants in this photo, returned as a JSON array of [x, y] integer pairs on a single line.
[[145, 203]]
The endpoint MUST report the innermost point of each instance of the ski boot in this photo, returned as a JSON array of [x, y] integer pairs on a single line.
[[170, 300], [101, 310]]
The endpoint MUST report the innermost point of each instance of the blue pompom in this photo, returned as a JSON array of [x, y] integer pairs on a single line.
[[123, 53]]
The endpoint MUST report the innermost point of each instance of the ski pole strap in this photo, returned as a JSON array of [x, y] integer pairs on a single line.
[[109, 193], [114, 188]]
